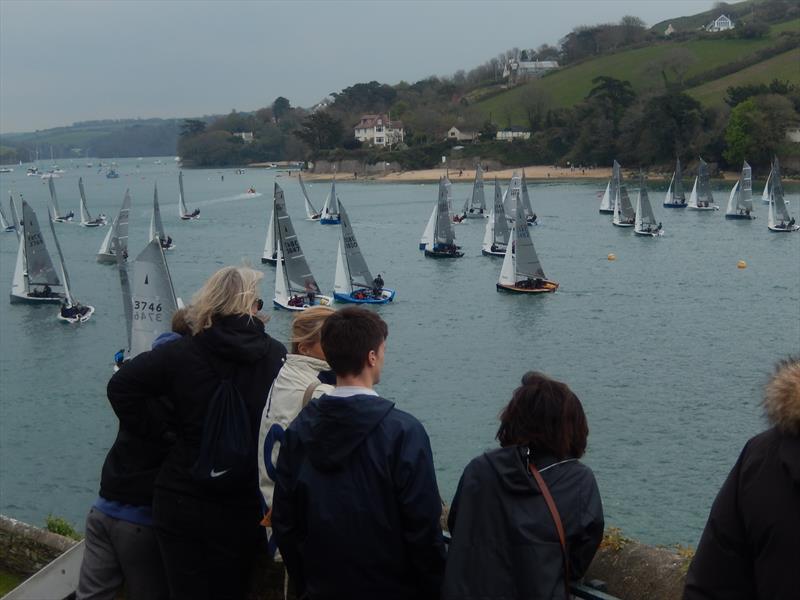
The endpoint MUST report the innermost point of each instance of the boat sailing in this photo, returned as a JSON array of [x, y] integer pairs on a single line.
[[312, 214], [624, 215], [675, 198], [442, 243], [522, 272], [701, 197], [183, 212], [645, 224], [495, 238], [295, 286], [330, 212], [353, 281], [86, 218], [157, 225], [56, 211], [6, 225], [71, 311], [427, 234], [117, 236], [740, 200], [35, 276], [14, 216], [517, 192], [475, 205], [607, 203], [270, 254], [778, 218]]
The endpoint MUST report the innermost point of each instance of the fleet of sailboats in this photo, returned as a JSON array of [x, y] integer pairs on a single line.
[[183, 212], [740, 200]]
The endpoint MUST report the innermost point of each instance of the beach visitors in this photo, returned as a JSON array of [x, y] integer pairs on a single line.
[[304, 375], [120, 546], [505, 541], [356, 507], [207, 523], [749, 547]]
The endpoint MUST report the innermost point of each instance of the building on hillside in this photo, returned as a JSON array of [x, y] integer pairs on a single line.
[[517, 70], [247, 136], [379, 130], [669, 30], [513, 133], [721, 23], [455, 134]]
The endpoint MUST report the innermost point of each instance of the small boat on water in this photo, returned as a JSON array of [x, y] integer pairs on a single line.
[[117, 236], [645, 224], [607, 203], [778, 219], [701, 197], [71, 310], [33, 172], [312, 214], [86, 218], [330, 212], [270, 254], [55, 211], [740, 200], [295, 286], [6, 225], [14, 217], [522, 272], [183, 212], [624, 215], [35, 276], [427, 234], [495, 237], [112, 174], [675, 198], [517, 192], [353, 281], [475, 205], [765, 191], [157, 225], [443, 242]]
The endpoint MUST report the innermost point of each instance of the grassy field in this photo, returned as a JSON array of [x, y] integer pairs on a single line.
[[8, 582]]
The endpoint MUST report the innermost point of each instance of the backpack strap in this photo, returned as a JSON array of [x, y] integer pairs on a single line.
[[309, 392]]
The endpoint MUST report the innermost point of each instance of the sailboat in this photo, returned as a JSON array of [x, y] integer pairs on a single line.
[[183, 212], [353, 281], [442, 243], [530, 216], [312, 214], [675, 198], [522, 272], [330, 212], [118, 232], [157, 225], [512, 196], [495, 238], [5, 225], [71, 311], [270, 254], [475, 205], [778, 219], [740, 200], [645, 219], [427, 234], [56, 211], [34, 273], [607, 203], [295, 286], [701, 197], [624, 215], [86, 218], [765, 192], [14, 218]]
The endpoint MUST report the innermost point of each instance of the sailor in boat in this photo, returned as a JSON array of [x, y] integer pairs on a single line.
[[70, 215], [532, 219], [251, 190], [194, 213], [45, 292], [445, 248], [295, 300], [377, 286], [531, 283], [458, 218], [75, 311], [167, 243]]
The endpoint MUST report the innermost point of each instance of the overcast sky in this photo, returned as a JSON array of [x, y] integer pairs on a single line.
[[63, 61]]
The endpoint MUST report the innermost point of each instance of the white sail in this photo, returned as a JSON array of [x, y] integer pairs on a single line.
[[693, 196], [19, 286], [779, 219], [156, 224], [427, 234], [508, 270], [765, 192], [732, 199], [85, 216], [341, 281], [62, 266], [182, 210], [270, 246], [118, 231], [54, 200], [330, 212], [15, 218], [281, 285], [311, 212], [605, 203], [4, 224], [512, 196], [488, 232]]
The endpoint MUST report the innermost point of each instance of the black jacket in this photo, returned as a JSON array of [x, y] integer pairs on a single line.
[[356, 508], [504, 541], [188, 372]]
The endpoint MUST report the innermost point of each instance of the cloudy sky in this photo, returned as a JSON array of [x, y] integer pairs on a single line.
[[72, 60]]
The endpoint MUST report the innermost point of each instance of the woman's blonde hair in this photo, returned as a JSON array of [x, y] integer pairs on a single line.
[[307, 326], [229, 291]]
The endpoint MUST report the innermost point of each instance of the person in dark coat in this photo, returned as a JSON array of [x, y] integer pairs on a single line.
[[356, 507], [505, 544], [750, 547], [208, 537]]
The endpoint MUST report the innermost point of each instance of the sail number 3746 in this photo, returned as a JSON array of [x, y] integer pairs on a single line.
[[146, 311]]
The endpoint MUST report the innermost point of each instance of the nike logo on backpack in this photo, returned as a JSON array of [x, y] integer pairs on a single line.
[[218, 473]]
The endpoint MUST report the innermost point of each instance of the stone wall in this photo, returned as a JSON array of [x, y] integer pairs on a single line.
[[348, 167], [25, 549]]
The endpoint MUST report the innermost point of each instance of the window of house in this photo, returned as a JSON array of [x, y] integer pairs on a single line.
[[378, 140]]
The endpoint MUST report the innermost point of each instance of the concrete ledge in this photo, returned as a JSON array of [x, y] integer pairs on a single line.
[[25, 549]]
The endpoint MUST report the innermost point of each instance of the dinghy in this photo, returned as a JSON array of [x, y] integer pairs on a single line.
[[86, 218], [71, 311], [442, 243], [624, 215], [157, 225], [495, 238], [353, 281], [530, 216], [512, 196], [34, 275], [607, 203], [58, 217], [295, 286], [522, 272], [6, 225], [701, 197], [475, 205], [765, 192], [427, 234], [117, 232], [183, 212], [645, 224], [270, 254], [740, 200], [14, 218], [312, 214], [675, 198], [330, 212], [778, 218]]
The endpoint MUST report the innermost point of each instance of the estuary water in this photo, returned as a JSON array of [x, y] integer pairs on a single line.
[[668, 346]]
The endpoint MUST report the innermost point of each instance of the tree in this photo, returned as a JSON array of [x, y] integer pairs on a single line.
[[611, 97], [191, 127], [280, 107], [757, 129], [320, 131]]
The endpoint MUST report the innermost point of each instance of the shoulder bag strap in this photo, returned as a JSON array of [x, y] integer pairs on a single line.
[[551, 505], [309, 391]]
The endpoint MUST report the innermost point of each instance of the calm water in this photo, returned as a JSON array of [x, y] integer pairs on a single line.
[[667, 347]]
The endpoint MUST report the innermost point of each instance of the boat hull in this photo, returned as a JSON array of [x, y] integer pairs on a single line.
[[549, 288], [622, 224], [82, 319], [648, 233], [740, 217], [387, 295], [319, 300], [606, 211], [25, 299], [777, 229], [500, 253], [704, 208], [436, 254], [674, 205], [334, 221], [269, 261], [189, 218], [476, 215]]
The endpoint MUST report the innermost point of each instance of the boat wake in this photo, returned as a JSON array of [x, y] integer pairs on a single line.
[[224, 199]]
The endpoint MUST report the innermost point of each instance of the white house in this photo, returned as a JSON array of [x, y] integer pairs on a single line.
[[517, 70], [513, 133], [379, 130], [669, 30], [454, 133], [721, 23], [247, 136]]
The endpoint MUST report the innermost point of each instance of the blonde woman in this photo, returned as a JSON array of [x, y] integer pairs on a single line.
[[207, 524], [304, 375]]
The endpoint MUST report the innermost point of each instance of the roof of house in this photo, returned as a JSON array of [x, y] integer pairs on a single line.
[[369, 121]]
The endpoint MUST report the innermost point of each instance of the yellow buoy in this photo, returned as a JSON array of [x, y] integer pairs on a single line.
[[612, 256], [741, 265]]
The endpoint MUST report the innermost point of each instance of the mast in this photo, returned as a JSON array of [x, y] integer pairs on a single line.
[[182, 210], [64, 275], [677, 191]]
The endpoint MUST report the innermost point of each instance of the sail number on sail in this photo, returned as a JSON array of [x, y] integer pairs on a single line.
[[147, 311]]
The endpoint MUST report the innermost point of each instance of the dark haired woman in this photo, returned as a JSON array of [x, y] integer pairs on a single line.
[[505, 542]]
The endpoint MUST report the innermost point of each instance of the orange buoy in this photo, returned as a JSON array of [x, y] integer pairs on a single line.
[[741, 265], [612, 256]]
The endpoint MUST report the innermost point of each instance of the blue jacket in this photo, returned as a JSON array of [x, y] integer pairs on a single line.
[[356, 507]]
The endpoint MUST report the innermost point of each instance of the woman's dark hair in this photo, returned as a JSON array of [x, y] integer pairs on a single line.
[[347, 337], [546, 416]]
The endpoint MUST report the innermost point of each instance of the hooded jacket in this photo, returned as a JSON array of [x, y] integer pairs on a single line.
[[750, 547], [356, 508], [188, 372], [504, 541]]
